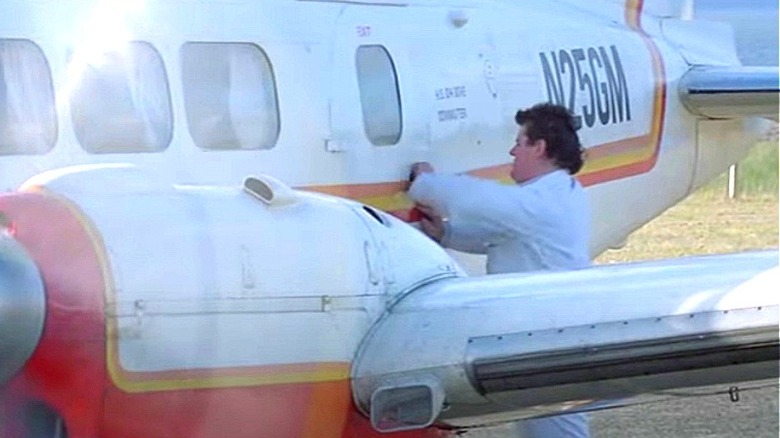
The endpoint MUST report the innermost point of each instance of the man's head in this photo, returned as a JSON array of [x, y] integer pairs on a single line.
[[547, 140]]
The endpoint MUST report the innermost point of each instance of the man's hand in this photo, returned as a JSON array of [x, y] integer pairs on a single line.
[[420, 168], [432, 223]]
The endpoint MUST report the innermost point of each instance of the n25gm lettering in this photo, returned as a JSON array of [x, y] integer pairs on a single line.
[[590, 82]]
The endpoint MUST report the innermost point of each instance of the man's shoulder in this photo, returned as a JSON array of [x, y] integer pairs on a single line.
[[559, 181]]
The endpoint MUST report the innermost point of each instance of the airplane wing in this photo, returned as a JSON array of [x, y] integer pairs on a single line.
[[497, 348], [731, 92]]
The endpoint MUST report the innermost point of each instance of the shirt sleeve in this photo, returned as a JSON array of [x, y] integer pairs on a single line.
[[480, 212], [460, 237]]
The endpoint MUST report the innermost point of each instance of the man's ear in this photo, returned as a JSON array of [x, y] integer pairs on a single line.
[[540, 148]]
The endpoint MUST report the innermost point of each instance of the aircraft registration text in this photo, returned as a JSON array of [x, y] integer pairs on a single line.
[[590, 82]]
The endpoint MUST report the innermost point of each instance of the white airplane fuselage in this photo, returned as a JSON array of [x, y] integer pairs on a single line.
[[169, 290], [461, 72]]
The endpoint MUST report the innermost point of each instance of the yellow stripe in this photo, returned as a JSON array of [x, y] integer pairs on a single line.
[[230, 382]]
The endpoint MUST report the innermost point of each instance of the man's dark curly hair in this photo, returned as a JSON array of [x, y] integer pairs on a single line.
[[557, 126]]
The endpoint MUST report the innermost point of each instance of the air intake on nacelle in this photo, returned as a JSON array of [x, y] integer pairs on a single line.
[[270, 190]]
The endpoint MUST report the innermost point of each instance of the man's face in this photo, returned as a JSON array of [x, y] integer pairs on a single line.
[[527, 155]]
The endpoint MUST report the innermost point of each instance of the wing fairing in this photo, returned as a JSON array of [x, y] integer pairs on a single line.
[[731, 92]]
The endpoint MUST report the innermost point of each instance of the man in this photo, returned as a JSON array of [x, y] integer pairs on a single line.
[[540, 223]]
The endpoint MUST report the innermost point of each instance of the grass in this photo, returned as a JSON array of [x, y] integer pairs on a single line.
[[759, 169], [756, 174], [708, 222]]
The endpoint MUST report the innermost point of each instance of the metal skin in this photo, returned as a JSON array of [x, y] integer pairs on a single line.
[[635, 329], [711, 92], [189, 300]]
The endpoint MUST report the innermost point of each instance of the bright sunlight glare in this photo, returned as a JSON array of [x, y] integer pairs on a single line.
[[104, 31]]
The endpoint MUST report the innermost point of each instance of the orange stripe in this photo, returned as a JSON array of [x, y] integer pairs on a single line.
[[648, 156], [500, 172], [328, 409], [633, 13], [360, 191], [233, 372], [617, 148]]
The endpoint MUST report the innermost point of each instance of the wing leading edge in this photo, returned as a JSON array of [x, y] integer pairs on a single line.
[[731, 92], [475, 351]]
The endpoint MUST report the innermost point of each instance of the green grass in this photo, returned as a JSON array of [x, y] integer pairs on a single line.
[[708, 222], [757, 173]]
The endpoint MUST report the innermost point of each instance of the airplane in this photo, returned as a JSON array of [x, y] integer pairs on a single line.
[[205, 232]]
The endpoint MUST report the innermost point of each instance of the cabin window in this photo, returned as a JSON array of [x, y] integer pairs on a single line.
[[120, 102], [229, 96], [28, 119], [379, 95]]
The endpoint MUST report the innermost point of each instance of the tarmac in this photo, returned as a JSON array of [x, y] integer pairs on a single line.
[[754, 415]]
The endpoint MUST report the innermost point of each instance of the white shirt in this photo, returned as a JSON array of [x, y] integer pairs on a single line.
[[542, 224]]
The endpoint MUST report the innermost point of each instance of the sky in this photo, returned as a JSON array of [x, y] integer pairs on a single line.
[[737, 4]]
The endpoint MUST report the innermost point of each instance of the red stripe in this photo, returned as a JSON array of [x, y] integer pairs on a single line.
[[67, 370]]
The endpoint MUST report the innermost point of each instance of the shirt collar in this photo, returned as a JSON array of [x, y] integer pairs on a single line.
[[551, 174]]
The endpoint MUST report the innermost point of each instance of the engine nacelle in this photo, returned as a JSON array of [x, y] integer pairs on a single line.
[[157, 292]]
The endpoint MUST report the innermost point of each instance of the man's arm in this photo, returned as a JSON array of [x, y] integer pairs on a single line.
[[480, 212], [461, 237]]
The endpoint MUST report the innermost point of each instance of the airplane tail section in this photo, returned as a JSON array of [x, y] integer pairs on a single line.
[[666, 8], [500, 348], [658, 8], [731, 92]]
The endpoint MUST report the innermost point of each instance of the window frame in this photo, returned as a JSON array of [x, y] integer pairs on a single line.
[[170, 126], [366, 114], [266, 73], [53, 128]]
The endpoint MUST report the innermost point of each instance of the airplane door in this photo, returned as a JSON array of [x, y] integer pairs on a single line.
[[374, 118], [425, 92]]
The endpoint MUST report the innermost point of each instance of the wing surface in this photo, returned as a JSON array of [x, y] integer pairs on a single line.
[[731, 92], [490, 349]]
